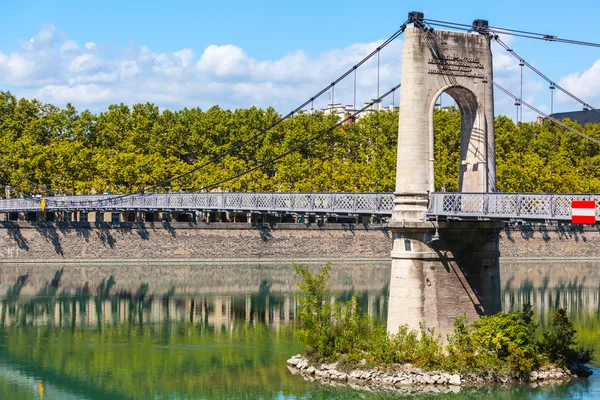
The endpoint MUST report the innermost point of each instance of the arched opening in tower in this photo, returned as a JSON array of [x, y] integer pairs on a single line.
[[459, 141]]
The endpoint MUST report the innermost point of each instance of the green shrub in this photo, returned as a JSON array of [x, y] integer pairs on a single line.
[[509, 338], [329, 329], [428, 353], [461, 350], [403, 345], [379, 347], [527, 315], [350, 329], [315, 311], [559, 343], [499, 344]]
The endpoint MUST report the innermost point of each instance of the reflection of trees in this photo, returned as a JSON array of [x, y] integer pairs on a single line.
[[141, 345], [192, 346], [103, 305], [138, 345], [150, 361], [583, 305], [214, 312], [570, 295]]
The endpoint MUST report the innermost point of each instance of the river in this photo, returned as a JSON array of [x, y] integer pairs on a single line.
[[146, 339]]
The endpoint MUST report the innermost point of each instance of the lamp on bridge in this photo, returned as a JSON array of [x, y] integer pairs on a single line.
[[436, 235]]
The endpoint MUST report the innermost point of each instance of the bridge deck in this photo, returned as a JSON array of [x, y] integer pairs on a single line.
[[458, 206], [325, 203], [506, 206]]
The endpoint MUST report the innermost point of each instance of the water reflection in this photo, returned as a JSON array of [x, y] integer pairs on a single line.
[[549, 286], [216, 313], [573, 296], [109, 342], [141, 345]]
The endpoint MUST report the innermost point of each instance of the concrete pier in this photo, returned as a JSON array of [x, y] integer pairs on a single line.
[[435, 280]]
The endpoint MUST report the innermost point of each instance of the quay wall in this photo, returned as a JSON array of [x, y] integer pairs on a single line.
[[97, 242], [142, 241]]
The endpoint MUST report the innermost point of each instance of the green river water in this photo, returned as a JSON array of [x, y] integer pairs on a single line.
[[78, 343]]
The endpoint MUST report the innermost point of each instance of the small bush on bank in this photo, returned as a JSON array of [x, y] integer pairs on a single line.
[[559, 343], [501, 344], [329, 329]]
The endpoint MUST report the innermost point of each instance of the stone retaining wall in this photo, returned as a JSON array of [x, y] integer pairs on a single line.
[[97, 242], [22, 242], [559, 241]]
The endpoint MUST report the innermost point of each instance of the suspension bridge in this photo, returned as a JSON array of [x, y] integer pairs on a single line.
[[445, 255], [473, 202]]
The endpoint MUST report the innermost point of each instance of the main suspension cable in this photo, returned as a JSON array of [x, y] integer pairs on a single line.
[[35, 184], [273, 125], [540, 74], [300, 145], [513, 32], [548, 117]]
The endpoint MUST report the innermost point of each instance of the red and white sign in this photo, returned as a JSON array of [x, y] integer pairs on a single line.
[[583, 212]]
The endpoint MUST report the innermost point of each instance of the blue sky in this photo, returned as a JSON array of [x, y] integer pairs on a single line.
[[240, 53]]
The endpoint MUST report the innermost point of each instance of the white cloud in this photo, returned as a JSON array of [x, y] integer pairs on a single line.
[[185, 57], [85, 63], [77, 94], [68, 46], [127, 68], [46, 38], [27, 68], [145, 54], [59, 70], [221, 61], [584, 85]]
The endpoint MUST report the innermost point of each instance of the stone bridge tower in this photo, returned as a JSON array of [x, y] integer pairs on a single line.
[[438, 277], [459, 64]]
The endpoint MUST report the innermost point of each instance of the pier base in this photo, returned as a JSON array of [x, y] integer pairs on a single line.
[[434, 280]]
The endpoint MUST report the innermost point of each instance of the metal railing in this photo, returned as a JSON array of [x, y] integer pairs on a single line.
[[467, 206], [326, 203], [506, 206]]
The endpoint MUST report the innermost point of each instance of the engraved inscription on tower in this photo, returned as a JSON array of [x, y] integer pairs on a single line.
[[456, 66]]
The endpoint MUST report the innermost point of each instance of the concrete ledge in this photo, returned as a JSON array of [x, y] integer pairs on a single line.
[[199, 261], [430, 256], [549, 259], [447, 225]]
